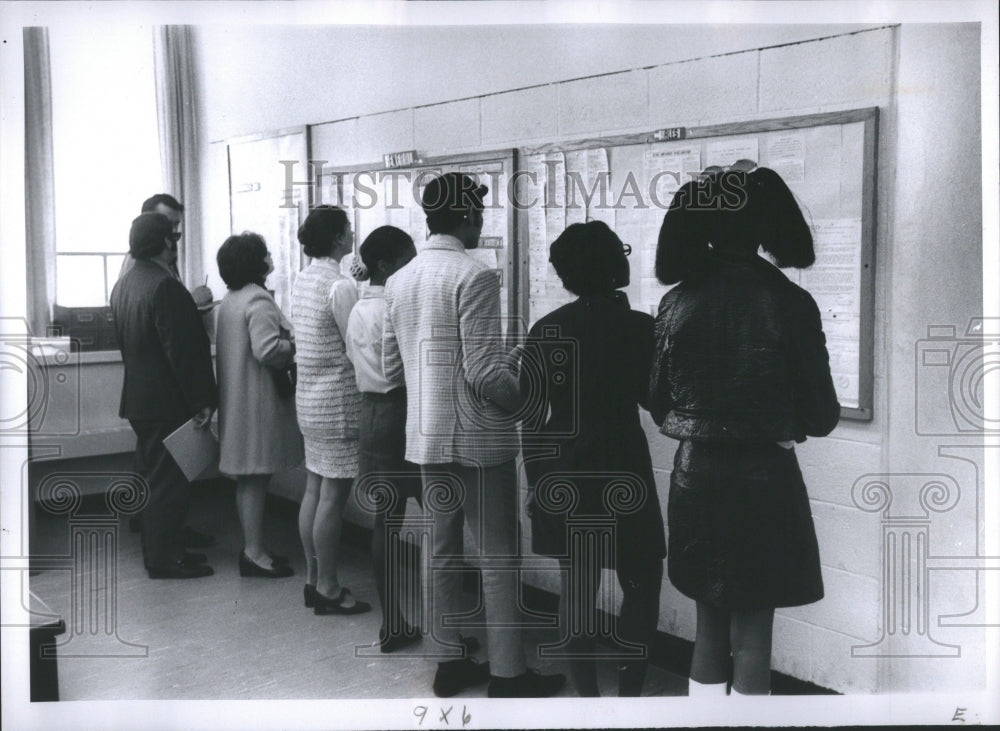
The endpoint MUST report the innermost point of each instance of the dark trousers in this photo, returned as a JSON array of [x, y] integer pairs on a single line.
[[384, 473], [169, 493], [636, 625]]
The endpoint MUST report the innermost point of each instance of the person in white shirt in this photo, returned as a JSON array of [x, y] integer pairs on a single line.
[[383, 484], [327, 404]]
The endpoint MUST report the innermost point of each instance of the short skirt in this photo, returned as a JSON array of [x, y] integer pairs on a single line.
[[740, 529], [332, 458], [593, 486]]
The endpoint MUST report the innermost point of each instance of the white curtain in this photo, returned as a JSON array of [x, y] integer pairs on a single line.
[[175, 111], [39, 203]]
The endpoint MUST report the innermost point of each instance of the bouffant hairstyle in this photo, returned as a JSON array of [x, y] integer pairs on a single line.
[[148, 234], [589, 258], [386, 243], [727, 211], [321, 227], [241, 260]]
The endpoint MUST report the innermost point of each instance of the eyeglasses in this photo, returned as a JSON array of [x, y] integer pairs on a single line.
[[174, 236], [626, 249]]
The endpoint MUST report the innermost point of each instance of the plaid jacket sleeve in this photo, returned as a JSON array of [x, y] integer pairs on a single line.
[[486, 369], [392, 358]]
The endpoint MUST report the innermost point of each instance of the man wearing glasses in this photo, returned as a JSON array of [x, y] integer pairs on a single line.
[[169, 379], [170, 207]]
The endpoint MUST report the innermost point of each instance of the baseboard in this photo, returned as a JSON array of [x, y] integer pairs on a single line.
[[672, 653], [667, 651]]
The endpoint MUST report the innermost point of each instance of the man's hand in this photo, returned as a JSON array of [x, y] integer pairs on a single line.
[[203, 418], [517, 353]]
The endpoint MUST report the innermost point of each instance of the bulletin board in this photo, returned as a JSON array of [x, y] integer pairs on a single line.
[[374, 195], [828, 161], [260, 201]]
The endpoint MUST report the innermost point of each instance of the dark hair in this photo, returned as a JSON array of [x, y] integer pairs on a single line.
[[322, 225], [731, 210], [446, 200], [383, 244], [148, 235], [589, 258], [241, 260], [165, 199]]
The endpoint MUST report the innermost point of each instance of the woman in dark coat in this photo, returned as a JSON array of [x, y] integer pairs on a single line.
[[594, 503], [741, 373]]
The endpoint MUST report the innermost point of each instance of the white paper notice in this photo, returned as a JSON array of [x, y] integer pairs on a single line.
[[531, 195], [397, 201], [495, 218], [418, 225], [555, 195], [577, 186], [486, 256], [725, 152], [786, 156], [601, 206], [491, 175], [835, 283], [666, 169]]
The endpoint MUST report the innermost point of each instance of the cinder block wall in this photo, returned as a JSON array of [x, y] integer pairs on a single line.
[[925, 80]]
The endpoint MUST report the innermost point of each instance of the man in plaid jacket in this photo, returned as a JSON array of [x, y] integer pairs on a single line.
[[442, 334]]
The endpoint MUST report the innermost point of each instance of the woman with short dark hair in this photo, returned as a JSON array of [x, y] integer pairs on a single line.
[[741, 374], [328, 404], [383, 468], [583, 375], [258, 434]]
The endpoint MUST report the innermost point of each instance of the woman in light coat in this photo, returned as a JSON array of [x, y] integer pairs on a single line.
[[258, 434]]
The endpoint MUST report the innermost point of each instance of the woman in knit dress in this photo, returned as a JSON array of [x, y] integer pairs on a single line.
[[327, 403], [741, 374], [257, 431]]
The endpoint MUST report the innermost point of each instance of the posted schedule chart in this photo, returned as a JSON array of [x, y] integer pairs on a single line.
[[827, 160]]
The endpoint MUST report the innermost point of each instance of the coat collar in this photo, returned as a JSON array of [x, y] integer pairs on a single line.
[[155, 266], [443, 241]]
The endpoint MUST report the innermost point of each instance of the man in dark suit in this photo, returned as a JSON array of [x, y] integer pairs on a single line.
[[174, 211], [168, 379]]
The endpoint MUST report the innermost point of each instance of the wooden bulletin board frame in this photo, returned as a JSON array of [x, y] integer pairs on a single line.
[[507, 157], [868, 117]]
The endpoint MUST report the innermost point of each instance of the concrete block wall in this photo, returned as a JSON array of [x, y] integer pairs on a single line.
[[797, 79], [853, 70]]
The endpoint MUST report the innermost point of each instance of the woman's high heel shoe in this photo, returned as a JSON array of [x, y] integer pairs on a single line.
[[250, 568], [277, 557], [309, 595], [326, 605]]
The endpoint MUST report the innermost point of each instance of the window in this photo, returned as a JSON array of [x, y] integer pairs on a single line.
[[105, 148]]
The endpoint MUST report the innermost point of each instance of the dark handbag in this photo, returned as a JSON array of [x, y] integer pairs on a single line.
[[285, 379]]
